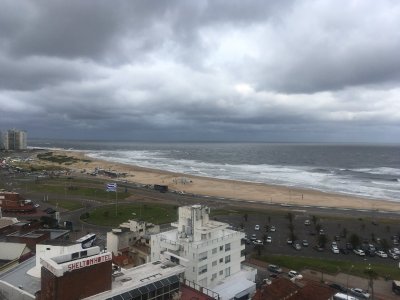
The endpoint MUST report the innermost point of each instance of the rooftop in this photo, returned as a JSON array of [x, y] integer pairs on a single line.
[[143, 275]]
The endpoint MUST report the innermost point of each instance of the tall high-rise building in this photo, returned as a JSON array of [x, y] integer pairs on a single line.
[[15, 139], [2, 140]]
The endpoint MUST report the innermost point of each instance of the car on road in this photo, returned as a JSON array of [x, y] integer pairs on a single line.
[[305, 243], [274, 269], [269, 239], [359, 252], [257, 227], [258, 242], [272, 228], [294, 274], [381, 254], [360, 293], [307, 222]]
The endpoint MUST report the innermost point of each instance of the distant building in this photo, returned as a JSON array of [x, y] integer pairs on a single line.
[[15, 139], [2, 140], [211, 252]]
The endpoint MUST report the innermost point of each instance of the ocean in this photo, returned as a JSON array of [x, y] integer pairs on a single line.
[[371, 171]]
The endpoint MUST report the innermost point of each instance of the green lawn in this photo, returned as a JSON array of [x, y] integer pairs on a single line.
[[76, 187], [69, 205], [154, 213], [329, 266]]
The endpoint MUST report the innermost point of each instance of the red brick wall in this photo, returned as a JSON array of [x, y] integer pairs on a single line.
[[77, 284]]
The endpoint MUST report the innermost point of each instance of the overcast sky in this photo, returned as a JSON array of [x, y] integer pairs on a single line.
[[229, 70]]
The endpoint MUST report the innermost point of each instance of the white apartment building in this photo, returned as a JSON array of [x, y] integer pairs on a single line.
[[211, 252]]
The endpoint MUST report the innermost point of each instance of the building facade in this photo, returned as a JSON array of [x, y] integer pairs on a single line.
[[211, 252], [14, 139]]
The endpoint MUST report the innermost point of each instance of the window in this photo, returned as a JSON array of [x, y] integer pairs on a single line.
[[227, 272], [203, 269], [214, 276], [221, 272], [214, 250], [227, 259], [221, 248], [83, 253], [203, 236], [227, 247], [75, 255], [214, 263], [203, 256], [221, 260]]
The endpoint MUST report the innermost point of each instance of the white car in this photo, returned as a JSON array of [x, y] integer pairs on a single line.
[[257, 227], [272, 229], [396, 250], [335, 249], [258, 242], [381, 253], [294, 274], [307, 222], [359, 252], [269, 239], [360, 293]]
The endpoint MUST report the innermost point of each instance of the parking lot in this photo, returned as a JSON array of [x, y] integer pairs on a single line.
[[368, 230]]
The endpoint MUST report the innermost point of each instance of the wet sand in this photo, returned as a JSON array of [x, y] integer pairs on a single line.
[[229, 188]]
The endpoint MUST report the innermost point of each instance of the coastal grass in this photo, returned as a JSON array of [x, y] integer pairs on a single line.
[[75, 188], [330, 266], [153, 213], [68, 205], [60, 159]]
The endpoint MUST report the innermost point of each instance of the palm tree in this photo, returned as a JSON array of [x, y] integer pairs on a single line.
[[372, 275], [354, 240], [290, 217], [314, 219]]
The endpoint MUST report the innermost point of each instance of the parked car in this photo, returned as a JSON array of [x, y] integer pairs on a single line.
[[335, 249], [297, 246], [307, 222], [381, 253], [305, 243], [258, 242], [396, 250], [257, 227], [370, 252], [272, 228], [289, 241], [269, 239], [274, 269], [337, 238], [360, 293], [393, 255], [359, 252], [253, 237], [294, 274]]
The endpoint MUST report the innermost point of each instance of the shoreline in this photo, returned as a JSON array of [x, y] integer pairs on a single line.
[[227, 188]]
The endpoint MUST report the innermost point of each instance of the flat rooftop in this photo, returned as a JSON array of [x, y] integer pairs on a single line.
[[18, 277], [147, 274]]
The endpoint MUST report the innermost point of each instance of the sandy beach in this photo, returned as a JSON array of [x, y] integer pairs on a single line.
[[229, 188]]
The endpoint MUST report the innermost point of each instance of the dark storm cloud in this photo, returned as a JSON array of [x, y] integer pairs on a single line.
[[201, 69]]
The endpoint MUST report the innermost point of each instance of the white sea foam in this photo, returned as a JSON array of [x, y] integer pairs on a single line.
[[294, 176]]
